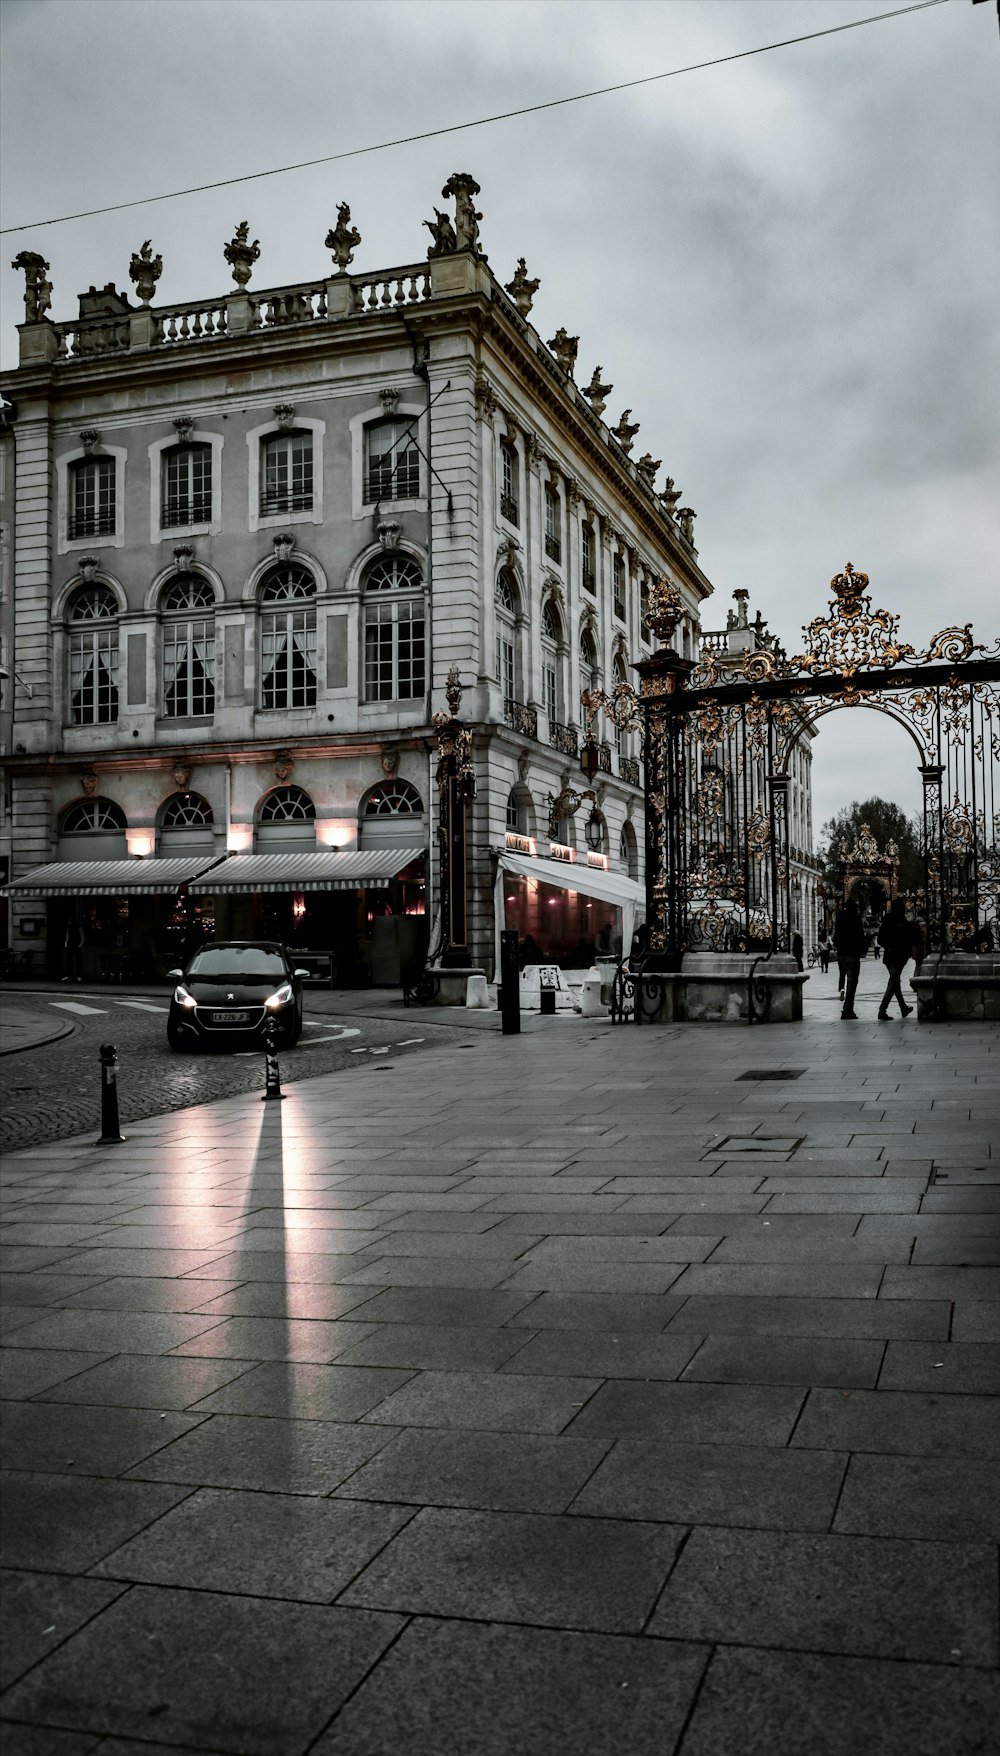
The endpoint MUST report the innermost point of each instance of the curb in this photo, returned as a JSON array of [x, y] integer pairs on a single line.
[[48, 1036]]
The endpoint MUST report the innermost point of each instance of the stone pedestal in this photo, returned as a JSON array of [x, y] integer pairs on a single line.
[[714, 988], [958, 984]]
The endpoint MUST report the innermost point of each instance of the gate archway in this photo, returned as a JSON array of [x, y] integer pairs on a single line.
[[718, 735]]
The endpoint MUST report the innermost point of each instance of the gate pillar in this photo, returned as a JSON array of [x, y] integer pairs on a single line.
[[662, 701]]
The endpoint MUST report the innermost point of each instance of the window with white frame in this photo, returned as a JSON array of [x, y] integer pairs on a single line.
[[393, 798], [187, 607], [93, 657], [392, 462], [186, 811], [186, 487], [551, 638], [628, 852], [287, 805], [588, 661], [288, 638], [286, 477], [553, 524], [618, 584], [587, 557], [506, 637], [91, 498], [92, 817], [508, 482], [394, 630]]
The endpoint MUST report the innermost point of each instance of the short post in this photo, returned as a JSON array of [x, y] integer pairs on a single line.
[[111, 1134], [510, 984], [272, 1072]]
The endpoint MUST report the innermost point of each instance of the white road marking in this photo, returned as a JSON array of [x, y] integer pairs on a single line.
[[384, 1051], [75, 1006], [359, 1051], [142, 1005], [405, 1044], [336, 1036]]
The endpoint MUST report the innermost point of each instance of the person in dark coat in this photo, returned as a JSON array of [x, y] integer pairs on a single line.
[[850, 944], [895, 936], [797, 950]]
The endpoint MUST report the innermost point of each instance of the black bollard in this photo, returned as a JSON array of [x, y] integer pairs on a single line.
[[510, 985], [111, 1134], [272, 1072]]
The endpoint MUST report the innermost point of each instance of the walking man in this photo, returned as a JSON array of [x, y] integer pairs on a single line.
[[895, 935], [850, 945]]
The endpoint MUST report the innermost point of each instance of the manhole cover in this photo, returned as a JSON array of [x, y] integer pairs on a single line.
[[773, 1073]]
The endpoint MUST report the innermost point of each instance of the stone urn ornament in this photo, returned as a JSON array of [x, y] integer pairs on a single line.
[[144, 271], [241, 254], [598, 393], [625, 431], [343, 239], [521, 289]]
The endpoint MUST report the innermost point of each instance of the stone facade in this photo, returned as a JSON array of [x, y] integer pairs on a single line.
[[213, 510]]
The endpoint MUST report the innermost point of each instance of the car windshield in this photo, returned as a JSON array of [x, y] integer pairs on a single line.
[[237, 963]]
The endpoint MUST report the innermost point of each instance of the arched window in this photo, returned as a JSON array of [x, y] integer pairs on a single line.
[[93, 657], [520, 811], [92, 497], [92, 817], [288, 638], [393, 798], [392, 461], [287, 805], [551, 666], [187, 606], [394, 630], [628, 853], [186, 811], [186, 488], [505, 600], [286, 473]]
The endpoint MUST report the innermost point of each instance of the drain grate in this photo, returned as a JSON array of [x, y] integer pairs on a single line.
[[772, 1073]]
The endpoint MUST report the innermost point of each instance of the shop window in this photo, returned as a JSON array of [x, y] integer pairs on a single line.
[[394, 630], [188, 648], [392, 462], [288, 639], [93, 657]]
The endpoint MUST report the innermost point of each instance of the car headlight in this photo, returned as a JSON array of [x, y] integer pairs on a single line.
[[183, 998], [281, 997]]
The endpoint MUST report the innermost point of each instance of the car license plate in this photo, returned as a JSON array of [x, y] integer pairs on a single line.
[[230, 1017]]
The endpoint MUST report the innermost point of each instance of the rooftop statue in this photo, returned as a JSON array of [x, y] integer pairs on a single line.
[[443, 234], [144, 271], [343, 238], [241, 254], [596, 392], [625, 431], [565, 349], [521, 289], [670, 495], [463, 188], [37, 290], [647, 467]]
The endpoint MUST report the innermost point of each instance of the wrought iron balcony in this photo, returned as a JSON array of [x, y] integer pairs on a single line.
[[508, 508], [604, 758], [563, 738], [553, 548], [589, 580], [520, 717], [628, 768]]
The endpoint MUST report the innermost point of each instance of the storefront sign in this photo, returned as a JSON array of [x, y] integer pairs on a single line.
[[558, 851], [519, 844]]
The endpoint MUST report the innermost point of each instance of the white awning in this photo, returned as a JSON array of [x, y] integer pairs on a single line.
[[613, 887], [133, 877], [266, 873]]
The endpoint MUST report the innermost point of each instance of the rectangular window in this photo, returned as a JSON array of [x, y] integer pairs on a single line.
[[508, 482], [505, 664], [288, 474], [587, 557], [288, 658], [187, 487], [188, 669], [618, 571], [550, 692], [553, 525], [92, 498], [394, 651], [93, 675], [392, 462]]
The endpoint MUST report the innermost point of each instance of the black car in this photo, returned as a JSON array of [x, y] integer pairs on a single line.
[[231, 990]]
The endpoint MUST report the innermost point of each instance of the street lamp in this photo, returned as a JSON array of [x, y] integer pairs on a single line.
[[590, 756], [594, 831]]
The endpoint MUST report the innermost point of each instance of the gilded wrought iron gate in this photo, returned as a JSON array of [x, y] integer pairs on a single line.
[[718, 739]]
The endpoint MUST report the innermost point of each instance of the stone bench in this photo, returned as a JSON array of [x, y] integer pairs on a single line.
[[958, 984]]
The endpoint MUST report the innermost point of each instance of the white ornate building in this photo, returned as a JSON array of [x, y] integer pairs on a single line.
[[247, 537]]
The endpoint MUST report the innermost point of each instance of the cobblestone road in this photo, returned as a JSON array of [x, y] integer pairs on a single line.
[[54, 1091]]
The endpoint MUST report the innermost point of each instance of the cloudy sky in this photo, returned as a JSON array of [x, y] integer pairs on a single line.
[[787, 266]]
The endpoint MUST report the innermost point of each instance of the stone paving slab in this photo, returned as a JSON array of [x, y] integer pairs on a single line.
[[523, 1411]]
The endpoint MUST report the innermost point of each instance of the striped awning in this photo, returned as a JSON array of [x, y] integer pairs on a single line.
[[265, 873], [614, 887], [134, 877]]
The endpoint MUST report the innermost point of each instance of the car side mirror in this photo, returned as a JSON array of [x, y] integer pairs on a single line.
[[174, 975], [302, 975]]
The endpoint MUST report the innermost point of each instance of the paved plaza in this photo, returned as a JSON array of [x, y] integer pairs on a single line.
[[613, 1392]]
